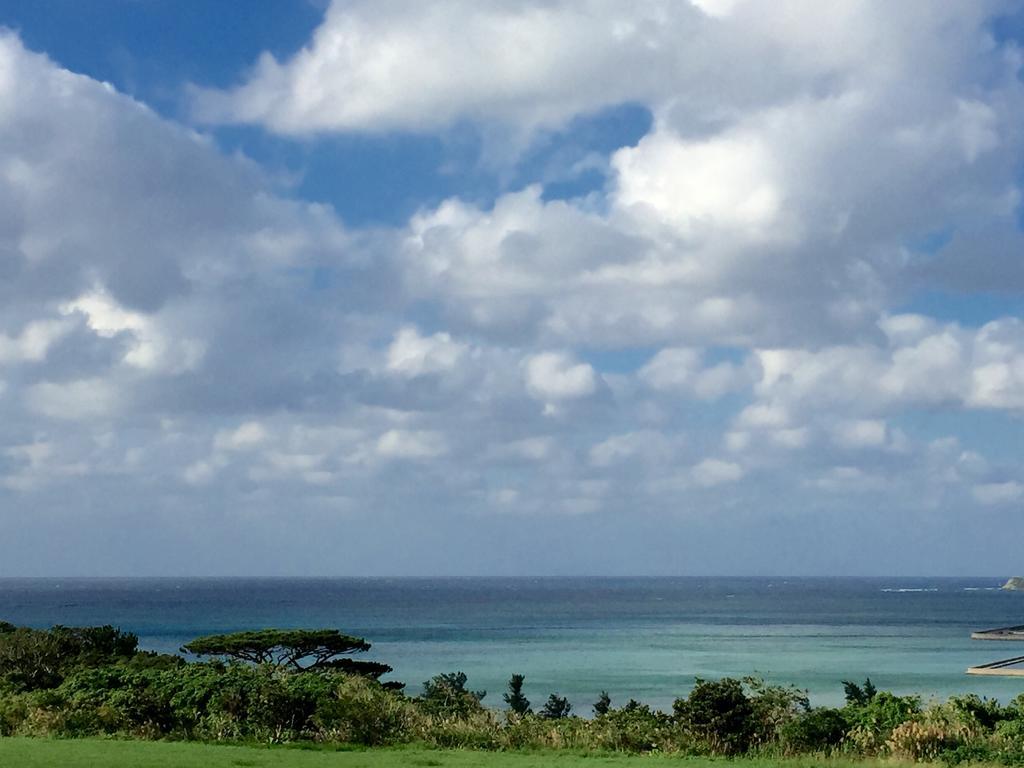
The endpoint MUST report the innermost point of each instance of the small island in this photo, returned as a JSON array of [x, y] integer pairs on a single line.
[[1014, 584]]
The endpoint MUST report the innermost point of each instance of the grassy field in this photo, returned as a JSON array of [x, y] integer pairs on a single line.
[[91, 753]]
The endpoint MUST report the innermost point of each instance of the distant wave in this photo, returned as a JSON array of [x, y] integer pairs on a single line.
[[981, 589], [910, 589]]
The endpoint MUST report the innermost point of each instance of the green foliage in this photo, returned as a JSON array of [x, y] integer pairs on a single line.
[[306, 650], [635, 728], [555, 708], [719, 715], [859, 695], [985, 714], [478, 729], [883, 712], [817, 730], [361, 711], [446, 695], [872, 723], [536, 732], [33, 659], [517, 702], [774, 707], [71, 682]]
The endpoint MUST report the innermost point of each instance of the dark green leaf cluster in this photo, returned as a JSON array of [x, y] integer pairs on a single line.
[[517, 702], [34, 659], [299, 649], [718, 713], [446, 695], [555, 708]]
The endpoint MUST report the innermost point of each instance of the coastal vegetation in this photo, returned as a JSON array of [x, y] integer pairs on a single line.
[[299, 687]]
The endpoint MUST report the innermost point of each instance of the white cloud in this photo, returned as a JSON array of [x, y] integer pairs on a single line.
[[999, 493], [163, 317], [712, 472], [152, 348], [412, 354], [80, 400], [34, 341], [860, 433], [411, 444], [554, 376], [725, 182], [683, 371], [249, 435], [653, 447], [404, 65]]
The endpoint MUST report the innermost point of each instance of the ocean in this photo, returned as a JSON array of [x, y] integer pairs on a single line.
[[642, 638]]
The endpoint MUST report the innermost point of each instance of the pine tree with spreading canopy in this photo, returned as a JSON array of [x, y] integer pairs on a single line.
[[300, 650]]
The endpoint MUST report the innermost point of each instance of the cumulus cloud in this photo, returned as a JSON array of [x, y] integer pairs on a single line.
[[557, 376], [712, 472], [999, 493], [411, 354], [715, 329]]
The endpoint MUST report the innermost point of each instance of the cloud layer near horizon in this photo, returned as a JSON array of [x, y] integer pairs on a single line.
[[715, 347]]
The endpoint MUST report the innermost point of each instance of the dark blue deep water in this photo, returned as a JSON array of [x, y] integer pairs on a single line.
[[645, 638]]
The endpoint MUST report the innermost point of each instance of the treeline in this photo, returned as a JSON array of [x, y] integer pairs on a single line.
[[294, 685]]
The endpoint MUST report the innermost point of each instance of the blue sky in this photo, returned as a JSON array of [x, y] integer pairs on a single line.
[[510, 288]]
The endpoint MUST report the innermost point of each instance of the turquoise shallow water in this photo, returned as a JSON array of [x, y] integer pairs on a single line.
[[636, 638]]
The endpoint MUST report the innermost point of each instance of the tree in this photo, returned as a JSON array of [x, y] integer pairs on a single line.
[[447, 695], [301, 650], [859, 695], [719, 712], [603, 704], [31, 659], [556, 708], [517, 702]]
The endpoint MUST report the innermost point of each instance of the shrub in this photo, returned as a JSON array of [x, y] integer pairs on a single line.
[[873, 722], [13, 713], [818, 730], [719, 714], [33, 659], [447, 696], [978, 713], [536, 732], [773, 707], [361, 711], [915, 740], [635, 728], [474, 730]]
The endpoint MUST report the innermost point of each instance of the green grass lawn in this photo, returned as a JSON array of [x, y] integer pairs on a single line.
[[94, 753]]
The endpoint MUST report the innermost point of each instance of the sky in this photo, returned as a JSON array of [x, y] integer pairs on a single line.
[[511, 287]]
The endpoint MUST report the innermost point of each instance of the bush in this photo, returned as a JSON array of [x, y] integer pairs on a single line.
[[818, 730], [774, 707], [361, 711], [446, 696], [33, 659], [873, 723], [536, 732], [915, 740], [978, 713], [474, 730], [13, 713], [635, 728], [718, 714]]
